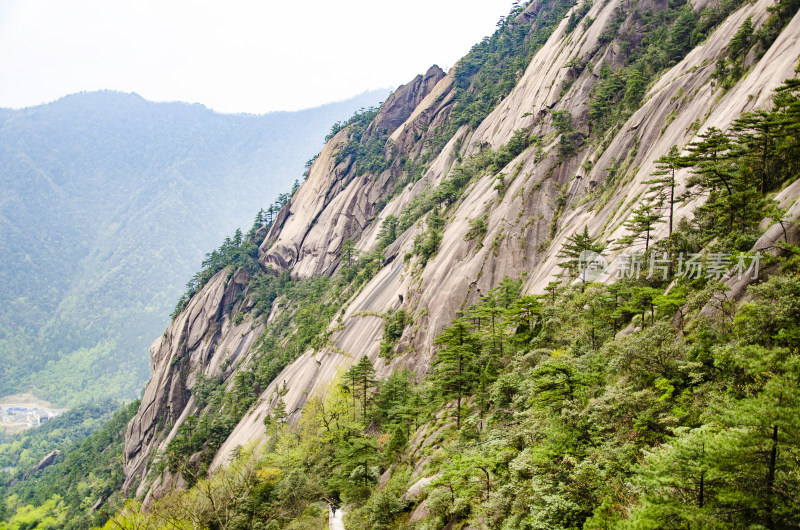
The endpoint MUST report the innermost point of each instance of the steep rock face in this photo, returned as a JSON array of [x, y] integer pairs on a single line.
[[334, 204], [542, 200], [405, 100], [314, 371], [305, 238], [519, 220], [200, 340]]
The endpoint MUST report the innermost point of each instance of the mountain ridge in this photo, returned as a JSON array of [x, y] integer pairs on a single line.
[[112, 174], [454, 268], [413, 336]]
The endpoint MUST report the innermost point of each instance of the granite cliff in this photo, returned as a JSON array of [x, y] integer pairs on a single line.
[[526, 203]]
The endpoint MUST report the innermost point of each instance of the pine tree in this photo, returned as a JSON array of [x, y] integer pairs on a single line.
[[662, 189], [616, 300], [681, 483], [507, 291], [275, 421], [397, 442], [642, 300], [361, 378], [742, 40], [489, 315], [455, 372], [758, 453], [388, 231], [640, 225], [597, 313], [679, 41], [279, 414], [366, 381], [576, 249], [755, 132], [525, 316], [258, 223], [355, 458], [349, 251], [556, 382], [552, 290], [672, 302], [392, 399], [713, 172]]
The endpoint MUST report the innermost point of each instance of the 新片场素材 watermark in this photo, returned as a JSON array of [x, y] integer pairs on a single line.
[[714, 265]]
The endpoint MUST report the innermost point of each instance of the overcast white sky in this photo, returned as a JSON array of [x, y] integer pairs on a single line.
[[232, 56]]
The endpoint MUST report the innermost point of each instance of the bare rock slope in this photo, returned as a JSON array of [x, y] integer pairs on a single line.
[[542, 199]]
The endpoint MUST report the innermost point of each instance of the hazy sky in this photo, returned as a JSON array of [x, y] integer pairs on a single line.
[[232, 56]]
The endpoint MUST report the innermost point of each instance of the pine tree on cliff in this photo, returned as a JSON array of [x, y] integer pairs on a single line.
[[362, 382], [455, 370], [348, 251], [662, 189], [713, 172], [575, 249], [755, 131], [641, 225], [388, 231]]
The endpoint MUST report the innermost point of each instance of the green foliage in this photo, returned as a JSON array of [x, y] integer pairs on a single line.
[[738, 168], [667, 35], [541, 398], [640, 225], [88, 470], [394, 323], [360, 382], [576, 250], [488, 72], [740, 45], [23, 450], [737, 468], [388, 232], [477, 229], [427, 243], [365, 148], [742, 40], [456, 369], [780, 15], [236, 252], [578, 14], [570, 138], [662, 190]]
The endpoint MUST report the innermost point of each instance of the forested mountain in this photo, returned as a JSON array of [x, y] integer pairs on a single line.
[[557, 287], [109, 204]]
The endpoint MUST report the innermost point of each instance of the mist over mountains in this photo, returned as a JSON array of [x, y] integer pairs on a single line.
[[109, 203]]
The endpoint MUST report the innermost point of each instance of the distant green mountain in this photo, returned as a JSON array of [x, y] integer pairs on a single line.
[[109, 203]]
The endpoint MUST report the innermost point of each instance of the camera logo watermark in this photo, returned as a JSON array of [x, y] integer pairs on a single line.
[[715, 265], [591, 265]]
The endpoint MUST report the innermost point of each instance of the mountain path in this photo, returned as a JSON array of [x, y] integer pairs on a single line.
[[336, 520]]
